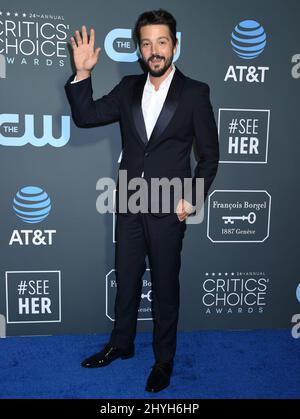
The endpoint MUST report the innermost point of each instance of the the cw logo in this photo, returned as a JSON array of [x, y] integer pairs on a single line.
[[29, 137], [122, 39]]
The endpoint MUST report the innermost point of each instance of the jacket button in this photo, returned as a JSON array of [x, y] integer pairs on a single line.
[[146, 154]]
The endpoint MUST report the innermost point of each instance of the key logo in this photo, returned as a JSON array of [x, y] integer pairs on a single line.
[[238, 216]]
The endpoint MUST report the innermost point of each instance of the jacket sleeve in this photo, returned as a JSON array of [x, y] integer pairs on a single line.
[[86, 111], [206, 142]]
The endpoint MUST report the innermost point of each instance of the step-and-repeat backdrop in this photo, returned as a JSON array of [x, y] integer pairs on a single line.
[[240, 265]]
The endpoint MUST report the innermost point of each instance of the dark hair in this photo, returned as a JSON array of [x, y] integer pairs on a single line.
[[155, 17]]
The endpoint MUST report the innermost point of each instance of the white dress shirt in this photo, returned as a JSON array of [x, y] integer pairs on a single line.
[[153, 100]]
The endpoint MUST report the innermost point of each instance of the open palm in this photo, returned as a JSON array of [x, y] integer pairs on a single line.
[[84, 53]]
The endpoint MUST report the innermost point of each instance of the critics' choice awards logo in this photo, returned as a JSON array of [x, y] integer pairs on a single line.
[[33, 39], [145, 310], [238, 216], [32, 205], [33, 296], [16, 130], [120, 46], [248, 41], [234, 293], [244, 135]]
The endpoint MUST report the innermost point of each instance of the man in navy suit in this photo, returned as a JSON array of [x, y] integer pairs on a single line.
[[161, 112]]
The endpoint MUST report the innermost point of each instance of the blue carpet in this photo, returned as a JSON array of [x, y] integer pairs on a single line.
[[209, 364]]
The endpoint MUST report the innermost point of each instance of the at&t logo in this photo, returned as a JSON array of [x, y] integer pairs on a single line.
[[248, 41], [32, 205]]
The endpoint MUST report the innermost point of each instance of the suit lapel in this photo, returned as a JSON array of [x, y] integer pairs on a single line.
[[169, 107], [137, 109], [167, 112]]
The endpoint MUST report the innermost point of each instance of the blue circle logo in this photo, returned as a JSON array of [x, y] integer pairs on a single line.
[[248, 39], [298, 293], [32, 204]]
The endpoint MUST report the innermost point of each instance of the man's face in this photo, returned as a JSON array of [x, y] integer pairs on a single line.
[[157, 48]]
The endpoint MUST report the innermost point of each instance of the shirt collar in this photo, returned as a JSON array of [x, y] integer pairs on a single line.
[[164, 84]]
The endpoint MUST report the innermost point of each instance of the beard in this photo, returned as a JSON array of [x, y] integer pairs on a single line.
[[167, 62]]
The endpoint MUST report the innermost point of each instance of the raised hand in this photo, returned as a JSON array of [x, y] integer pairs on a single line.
[[84, 53]]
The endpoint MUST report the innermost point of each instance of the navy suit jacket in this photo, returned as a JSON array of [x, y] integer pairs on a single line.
[[186, 118]]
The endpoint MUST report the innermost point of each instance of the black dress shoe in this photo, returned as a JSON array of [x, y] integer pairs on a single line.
[[159, 377], [107, 355]]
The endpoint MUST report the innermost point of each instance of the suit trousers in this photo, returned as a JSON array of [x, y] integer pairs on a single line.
[[160, 238]]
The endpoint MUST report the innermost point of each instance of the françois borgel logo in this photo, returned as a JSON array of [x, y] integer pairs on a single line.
[[17, 130], [238, 216], [229, 292], [248, 41], [32, 205], [33, 296], [35, 39], [145, 310], [244, 135]]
